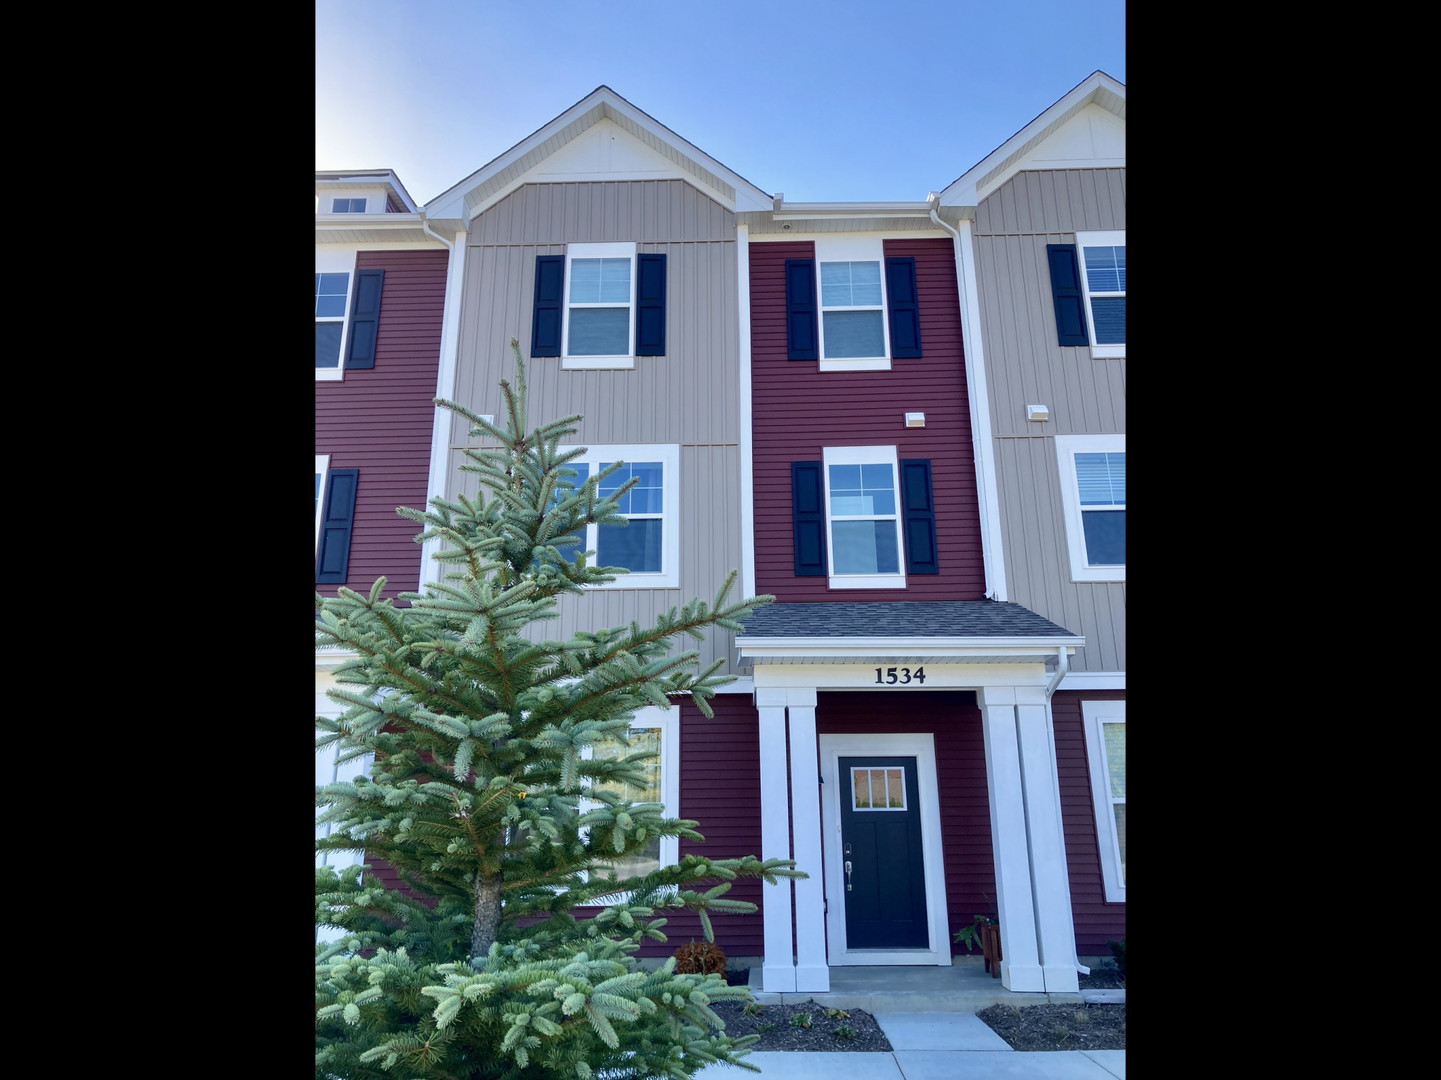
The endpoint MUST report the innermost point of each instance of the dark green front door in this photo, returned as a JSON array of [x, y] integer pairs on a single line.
[[885, 886]]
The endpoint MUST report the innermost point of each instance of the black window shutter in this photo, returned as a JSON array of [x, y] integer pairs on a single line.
[[808, 515], [337, 518], [1066, 293], [905, 312], [545, 320], [801, 342], [920, 517], [650, 305], [364, 319]]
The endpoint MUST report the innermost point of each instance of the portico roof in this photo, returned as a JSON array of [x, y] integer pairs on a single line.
[[949, 631]]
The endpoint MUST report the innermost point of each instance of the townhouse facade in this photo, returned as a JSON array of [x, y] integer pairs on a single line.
[[797, 388]]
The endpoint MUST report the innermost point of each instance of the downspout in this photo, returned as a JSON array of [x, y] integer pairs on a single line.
[[987, 499], [1062, 667]]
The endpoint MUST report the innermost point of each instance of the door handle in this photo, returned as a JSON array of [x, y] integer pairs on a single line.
[[848, 875]]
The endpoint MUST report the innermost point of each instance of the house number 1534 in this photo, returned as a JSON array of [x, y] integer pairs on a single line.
[[904, 677]]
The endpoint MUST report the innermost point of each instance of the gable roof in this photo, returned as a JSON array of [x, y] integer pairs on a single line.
[[1097, 89], [505, 172]]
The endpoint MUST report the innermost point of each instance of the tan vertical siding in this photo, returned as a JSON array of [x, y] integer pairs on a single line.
[[1025, 366], [689, 396]]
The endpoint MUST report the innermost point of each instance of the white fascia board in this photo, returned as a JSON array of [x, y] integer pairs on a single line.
[[1098, 87], [828, 210], [1093, 680], [451, 202], [1047, 645]]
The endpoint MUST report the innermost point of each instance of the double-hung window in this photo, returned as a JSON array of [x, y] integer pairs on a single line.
[[1093, 503], [657, 731], [851, 307], [863, 519], [347, 313], [648, 546], [599, 306], [1088, 290], [1105, 723]]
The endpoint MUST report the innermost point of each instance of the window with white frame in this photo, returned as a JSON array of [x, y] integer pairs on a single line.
[[1093, 503], [1105, 723], [854, 332], [600, 283], [863, 520], [653, 730], [648, 546], [322, 464], [1103, 283], [333, 275], [348, 206]]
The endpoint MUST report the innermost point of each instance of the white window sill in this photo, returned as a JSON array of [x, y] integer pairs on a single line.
[[595, 363], [882, 363], [1099, 573], [868, 581], [334, 374], [640, 581], [1106, 352]]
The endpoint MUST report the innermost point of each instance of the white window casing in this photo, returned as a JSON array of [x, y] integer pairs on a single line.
[[1105, 724], [865, 548], [1102, 257], [652, 508], [598, 311], [855, 333], [334, 279], [1098, 488], [322, 466]]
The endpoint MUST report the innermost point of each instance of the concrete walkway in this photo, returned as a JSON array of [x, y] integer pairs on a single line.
[[928, 1014]]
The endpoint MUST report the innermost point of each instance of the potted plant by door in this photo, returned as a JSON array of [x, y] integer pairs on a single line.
[[984, 932]]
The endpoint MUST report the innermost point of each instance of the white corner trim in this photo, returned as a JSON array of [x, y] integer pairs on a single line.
[[978, 395], [747, 417], [445, 383]]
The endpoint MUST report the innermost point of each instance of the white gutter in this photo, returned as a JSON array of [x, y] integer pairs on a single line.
[[978, 395]]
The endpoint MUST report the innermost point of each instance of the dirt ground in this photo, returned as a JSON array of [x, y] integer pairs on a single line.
[[1034, 1027]]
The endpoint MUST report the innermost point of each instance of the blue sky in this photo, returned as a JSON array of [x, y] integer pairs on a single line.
[[846, 100]]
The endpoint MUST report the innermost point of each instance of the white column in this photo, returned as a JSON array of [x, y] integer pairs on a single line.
[[1020, 968], [1055, 930], [778, 972], [812, 972]]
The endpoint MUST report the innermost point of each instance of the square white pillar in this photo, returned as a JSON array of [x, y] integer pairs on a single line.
[[778, 972], [1055, 930], [812, 972], [1021, 967]]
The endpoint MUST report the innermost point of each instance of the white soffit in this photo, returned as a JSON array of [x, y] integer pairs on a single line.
[[627, 145], [1084, 129]]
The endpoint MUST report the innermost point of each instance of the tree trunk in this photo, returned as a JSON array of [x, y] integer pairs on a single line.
[[487, 919]]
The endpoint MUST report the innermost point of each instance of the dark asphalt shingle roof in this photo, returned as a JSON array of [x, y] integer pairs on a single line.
[[945, 618]]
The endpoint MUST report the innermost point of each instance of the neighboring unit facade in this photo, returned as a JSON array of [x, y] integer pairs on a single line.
[[380, 294], [1043, 222], [800, 389]]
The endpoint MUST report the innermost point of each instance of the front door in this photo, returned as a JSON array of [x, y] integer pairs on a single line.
[[884, 873]]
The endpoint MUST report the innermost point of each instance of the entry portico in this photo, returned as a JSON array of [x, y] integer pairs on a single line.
[[870, 828]]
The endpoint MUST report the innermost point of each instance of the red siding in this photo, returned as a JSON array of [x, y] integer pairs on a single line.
[[1096, 921], [798, 410], [380, 421], [955, 721]]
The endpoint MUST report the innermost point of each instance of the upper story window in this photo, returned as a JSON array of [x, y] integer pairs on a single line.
[[347, 313], [1093, 502], [862, 518], [599, 306], [867, 313], [347, 206], [1105, 723], [648, 546], [1088, 291]]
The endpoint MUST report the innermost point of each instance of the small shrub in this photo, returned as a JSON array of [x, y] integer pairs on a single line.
[[1118, 950], [752, 1008], [700, 958], [845, 1031], [765, 1026], [801, 1020], [837, 1014]]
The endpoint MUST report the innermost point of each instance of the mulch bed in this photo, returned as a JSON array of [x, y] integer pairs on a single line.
[[1034, 1027]]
